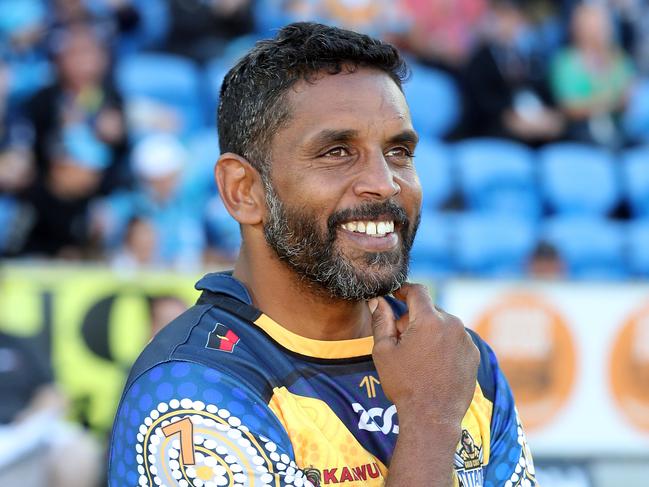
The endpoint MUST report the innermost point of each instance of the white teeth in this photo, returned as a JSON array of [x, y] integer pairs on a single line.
[[378, 229]]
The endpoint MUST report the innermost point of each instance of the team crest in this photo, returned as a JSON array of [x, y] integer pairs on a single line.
[[313, 475], [468, 462], [222, 338]]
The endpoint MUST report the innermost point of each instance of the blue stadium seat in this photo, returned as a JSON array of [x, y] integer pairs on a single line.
[[198, 176], [494, 244], [433, 162], [579, 179], [635, 169], [432, 255], [636, 116], [498, 175], [434, 100], [167, 79], [591, 247], [638, 247]]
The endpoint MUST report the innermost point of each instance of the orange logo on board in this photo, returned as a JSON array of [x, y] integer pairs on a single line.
[[536, 353], [629, 370]]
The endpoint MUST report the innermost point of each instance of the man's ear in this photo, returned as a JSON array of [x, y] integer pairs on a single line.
[[240, 188]]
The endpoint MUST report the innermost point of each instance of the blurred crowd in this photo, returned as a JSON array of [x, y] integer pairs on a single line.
[[92, 167]]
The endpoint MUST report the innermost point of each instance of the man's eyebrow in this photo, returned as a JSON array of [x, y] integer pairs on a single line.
[[329, 136], [405, 137]]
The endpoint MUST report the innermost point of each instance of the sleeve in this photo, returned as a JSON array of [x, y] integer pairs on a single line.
[[510, 461], [182, 424]]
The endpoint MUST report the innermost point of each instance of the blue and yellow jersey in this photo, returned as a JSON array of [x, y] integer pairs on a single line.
[[225, 396]]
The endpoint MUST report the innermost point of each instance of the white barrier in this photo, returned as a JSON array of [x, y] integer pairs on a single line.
[[576, 356]]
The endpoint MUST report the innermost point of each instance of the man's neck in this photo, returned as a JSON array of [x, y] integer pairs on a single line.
[[297, 305]]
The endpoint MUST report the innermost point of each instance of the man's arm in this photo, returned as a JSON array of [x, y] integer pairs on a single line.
[[427, 364], [182, 424], [510, 459]]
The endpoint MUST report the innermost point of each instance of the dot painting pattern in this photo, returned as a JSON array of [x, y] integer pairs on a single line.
[[223, 450]]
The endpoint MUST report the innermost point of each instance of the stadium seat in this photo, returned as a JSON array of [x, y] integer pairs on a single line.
[[636, 116], [579, 179], [498, 175], [433, 99], [431, 255], [591, 247], [198, 176], [494, 244], [166, 79], [638, 247], [433, 161], [635, 170]]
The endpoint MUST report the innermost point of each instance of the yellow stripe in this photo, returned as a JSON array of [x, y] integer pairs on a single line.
[[315, 348]]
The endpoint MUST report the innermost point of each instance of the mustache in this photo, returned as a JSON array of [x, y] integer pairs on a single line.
[[370, 211]]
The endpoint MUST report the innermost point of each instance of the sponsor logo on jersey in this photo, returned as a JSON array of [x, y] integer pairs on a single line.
[[340, 475], [468, 462], [222, 338], [377, 419]]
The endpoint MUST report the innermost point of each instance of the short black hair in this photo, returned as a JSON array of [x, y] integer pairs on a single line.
[[252, 103]]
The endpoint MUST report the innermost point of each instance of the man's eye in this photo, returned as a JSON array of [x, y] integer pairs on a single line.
[[399, 152], [337, 152]]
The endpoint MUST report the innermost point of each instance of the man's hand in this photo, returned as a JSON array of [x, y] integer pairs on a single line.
[[427, 364]]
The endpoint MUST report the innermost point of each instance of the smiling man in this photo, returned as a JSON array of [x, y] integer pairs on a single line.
[[291, 369]]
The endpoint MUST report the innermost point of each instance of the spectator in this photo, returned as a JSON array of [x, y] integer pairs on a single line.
[[81, 95], [200, 29], [443, 32], [505, 90], [32, 415], [158, 162], [592, 78], [59, 203], [546, 263], [16, 167], [111, 18]]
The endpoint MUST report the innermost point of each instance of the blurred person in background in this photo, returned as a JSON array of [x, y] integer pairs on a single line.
[[546, 263], [442, 32], [201, 29], [156, 223], [33, 425], [81, 96], [505, 91], [16, 166], [58, 203], [111, 17], [592, 77]]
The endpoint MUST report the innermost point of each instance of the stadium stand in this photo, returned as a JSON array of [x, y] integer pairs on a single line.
[[493, 244], [169, 80], [593, 248], [498, 175], [579, 179], [434, 100], [635, 170]]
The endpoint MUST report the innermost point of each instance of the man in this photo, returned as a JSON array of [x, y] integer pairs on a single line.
[[317, 167]]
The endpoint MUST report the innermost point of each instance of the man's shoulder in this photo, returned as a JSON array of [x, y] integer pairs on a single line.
[[212, 337]]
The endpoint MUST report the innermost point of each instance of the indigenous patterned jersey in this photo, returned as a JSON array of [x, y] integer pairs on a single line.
[[226, 396]]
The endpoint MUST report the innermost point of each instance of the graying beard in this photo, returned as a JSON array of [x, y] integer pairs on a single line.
[[339, 280]]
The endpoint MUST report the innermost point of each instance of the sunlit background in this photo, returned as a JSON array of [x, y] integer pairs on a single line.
[[533, 116]]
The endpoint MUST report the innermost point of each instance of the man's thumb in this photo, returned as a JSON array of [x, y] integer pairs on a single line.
[[383, 323]]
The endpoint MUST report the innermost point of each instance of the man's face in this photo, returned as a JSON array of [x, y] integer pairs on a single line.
[[343, 197]]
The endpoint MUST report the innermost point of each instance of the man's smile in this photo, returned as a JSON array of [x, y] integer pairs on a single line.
[[370, 235]]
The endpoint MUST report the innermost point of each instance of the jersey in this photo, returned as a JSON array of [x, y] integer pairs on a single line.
[[224, 395]]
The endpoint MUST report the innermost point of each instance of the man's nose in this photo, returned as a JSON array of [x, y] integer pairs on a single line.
[[377, 180]]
